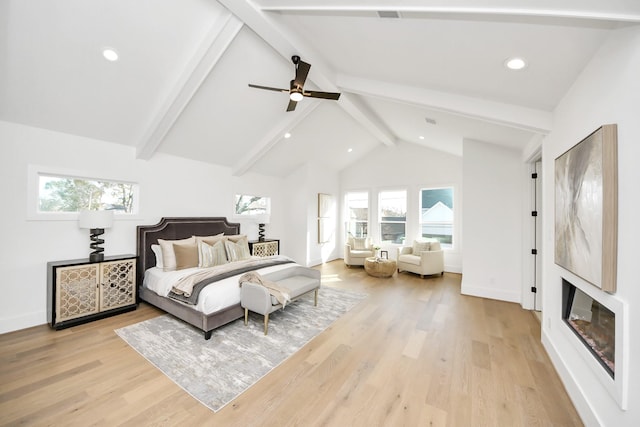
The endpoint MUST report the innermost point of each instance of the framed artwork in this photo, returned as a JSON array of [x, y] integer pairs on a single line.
[[586, 208], [325, 218]]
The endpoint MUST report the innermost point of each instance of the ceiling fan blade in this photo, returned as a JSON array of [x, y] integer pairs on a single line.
[[292, 105], [324, 95], [302, 70], [269, 88]]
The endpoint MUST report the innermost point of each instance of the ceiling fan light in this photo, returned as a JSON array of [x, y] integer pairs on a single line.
[[295, 96]]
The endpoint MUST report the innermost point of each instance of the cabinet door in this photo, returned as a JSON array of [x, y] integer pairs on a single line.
[[76, 291], [265, 249], [117, 284]]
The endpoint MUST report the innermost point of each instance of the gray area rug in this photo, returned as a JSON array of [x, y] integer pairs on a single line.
[[216, 371]]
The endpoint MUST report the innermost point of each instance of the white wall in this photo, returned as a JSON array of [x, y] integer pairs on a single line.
[[302, 225], [608, 91], [169, 186], [411, 167], [492, 221]]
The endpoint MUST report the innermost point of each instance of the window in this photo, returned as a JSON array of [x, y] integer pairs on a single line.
[[252, 205], [357, 206], [73, 194], [393, 216], [436, 214]]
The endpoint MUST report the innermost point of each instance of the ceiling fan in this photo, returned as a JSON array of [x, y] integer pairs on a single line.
[[296, 90]]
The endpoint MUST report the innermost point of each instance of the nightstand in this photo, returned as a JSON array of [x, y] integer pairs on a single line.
[[266, 247], [80, 291]]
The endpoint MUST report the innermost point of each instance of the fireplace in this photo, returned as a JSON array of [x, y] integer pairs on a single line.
[[593, 323]]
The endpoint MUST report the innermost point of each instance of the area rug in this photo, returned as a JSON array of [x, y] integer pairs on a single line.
[[216, 371]]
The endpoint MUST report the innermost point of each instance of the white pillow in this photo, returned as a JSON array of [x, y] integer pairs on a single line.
[[360, 243], [157, 251], [238, 250], [212, 255], [209, 240], [168, 255], [420, 246]]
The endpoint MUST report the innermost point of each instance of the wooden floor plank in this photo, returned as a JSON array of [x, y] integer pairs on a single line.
[[414, 352]]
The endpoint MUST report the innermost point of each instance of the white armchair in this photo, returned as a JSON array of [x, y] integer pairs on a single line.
[[423, 258], [357, 249]]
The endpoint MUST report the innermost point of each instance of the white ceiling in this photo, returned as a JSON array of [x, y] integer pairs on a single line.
[[180, 85]]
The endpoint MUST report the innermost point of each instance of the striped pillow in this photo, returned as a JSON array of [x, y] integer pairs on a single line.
[[212, 255], [237, 251]]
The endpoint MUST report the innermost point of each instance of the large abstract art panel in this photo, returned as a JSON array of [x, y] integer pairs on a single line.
[[586, 199]]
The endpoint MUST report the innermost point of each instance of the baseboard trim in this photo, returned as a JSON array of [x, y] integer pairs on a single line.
[[24, 321], [477, 291]]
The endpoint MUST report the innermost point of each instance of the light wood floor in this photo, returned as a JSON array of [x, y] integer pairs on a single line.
[[415, 353]]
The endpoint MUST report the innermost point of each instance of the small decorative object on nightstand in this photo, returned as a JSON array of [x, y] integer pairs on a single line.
[[79, 291], [266, 247]]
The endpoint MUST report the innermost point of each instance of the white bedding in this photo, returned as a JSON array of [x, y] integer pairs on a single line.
[[219, 295]]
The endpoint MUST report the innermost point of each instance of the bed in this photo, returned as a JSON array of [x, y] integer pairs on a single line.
[[204, 316]]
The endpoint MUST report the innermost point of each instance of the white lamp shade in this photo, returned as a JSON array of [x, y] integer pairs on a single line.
[[262, 218], [95, 219]]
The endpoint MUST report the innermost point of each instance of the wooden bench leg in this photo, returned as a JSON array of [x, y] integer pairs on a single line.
[[266, 323], [315, 298], [246, 316]]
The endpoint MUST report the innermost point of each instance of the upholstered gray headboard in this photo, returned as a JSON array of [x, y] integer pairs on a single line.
[[176, 228]]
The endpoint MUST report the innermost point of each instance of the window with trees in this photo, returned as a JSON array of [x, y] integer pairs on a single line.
[[393, 216], [436, 214], [357, 207], [252, 205], [74, 194]]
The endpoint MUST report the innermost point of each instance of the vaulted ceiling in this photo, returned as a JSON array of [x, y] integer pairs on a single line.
[[425, 72]]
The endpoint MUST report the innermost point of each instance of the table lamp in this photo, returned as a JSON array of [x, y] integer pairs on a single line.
[[96, 222]]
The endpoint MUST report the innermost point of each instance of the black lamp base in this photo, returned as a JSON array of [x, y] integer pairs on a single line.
[[96, 255], [260, 232]]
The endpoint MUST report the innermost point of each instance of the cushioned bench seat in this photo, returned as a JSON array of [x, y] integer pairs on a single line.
[[299, 281]]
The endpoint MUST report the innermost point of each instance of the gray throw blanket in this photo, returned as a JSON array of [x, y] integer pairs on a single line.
[[243, 267], [279, 292]]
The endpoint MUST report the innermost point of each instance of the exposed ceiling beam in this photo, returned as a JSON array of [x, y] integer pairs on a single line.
[[287, 44], [515, 116], [274, 136], [611, 10], [222, 33]]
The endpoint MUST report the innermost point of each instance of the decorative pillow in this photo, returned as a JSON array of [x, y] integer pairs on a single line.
[[157, 251], [420, 246], [435, 246], [212, 255], [360, 243], [209, 240], [237, 251], [168, 255], [186, 256], [235, 237]]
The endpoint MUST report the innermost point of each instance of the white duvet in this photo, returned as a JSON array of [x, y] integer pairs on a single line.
[[219, 295]]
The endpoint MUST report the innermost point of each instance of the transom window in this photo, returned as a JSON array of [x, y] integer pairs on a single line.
[[252, 205], [436, 215], [393, 216], [74, 194]]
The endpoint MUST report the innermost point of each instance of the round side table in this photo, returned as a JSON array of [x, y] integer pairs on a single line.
[[379, 267]]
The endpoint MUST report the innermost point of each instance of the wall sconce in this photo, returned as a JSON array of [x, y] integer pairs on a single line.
[[96, 222]]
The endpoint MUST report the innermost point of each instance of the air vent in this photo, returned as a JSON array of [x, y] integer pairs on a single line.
[[430, 120], [388, 14]]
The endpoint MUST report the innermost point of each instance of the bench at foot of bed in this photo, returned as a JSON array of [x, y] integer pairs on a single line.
[[299, 281]]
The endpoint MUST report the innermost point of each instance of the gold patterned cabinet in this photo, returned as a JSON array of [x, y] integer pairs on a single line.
[[266, 247], [79, 291]]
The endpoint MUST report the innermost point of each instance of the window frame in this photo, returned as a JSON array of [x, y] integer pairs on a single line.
[[381, 222], [446, 246], [348, 217], [33, 192]]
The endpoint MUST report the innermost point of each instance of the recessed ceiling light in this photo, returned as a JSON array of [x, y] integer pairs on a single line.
[[515, 63], [349, 150], [287, 135], [110, 54], [421, 137]]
